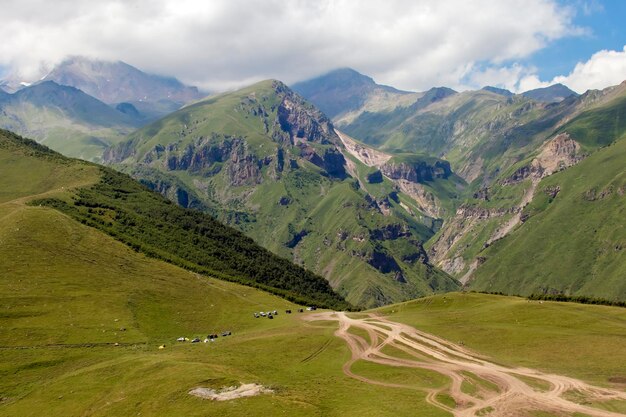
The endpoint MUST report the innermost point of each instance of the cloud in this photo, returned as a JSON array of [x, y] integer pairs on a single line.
[[603, 69], [221, 44], [508, 77]]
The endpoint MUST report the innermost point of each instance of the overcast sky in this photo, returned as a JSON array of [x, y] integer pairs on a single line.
[[409, 44]]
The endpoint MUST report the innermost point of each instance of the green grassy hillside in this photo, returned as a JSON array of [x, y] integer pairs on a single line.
[[268, 163], [89, 325], [571, 339], [579, 266], [83, 316], [599, 125], [153, 225], [149, 223], [573, 241]]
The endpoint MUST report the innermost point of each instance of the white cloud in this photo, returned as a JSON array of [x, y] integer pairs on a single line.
[[220, 44], [508, 77], [530, 82], [603, 69]]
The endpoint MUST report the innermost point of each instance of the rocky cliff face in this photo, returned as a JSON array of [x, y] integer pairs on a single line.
[[331, 160], [300, 122], [557, 154], [408, 176], [418, 172], [209, 156]]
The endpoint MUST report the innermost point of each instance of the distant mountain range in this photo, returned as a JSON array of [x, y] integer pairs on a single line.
[[65, 118], [477, 131], [118, 82], [388, 194], [83, 106]]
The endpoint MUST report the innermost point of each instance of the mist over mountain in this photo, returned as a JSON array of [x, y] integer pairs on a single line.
[[118, 82], [65, 118]]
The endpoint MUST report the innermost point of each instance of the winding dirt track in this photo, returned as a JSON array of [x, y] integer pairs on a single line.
[[512, 397]]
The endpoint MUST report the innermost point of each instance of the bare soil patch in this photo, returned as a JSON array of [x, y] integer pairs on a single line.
[[230, 393]]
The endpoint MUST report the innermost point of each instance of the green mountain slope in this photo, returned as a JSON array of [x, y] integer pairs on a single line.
[[153, 225], [499, 208], [572, 241], [83, 316], [267, 162], [90, 325], [65, 119]]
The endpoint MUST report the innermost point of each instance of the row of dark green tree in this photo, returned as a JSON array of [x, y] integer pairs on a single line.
[[149, 223], [581, 299]]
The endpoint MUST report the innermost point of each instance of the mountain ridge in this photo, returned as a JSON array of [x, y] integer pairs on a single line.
[[552, 94], [117, 82], [65, 118], [344, 90], [269, 163]]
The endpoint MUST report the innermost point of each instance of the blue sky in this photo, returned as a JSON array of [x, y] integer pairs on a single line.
[[409, 44], [606, 21]]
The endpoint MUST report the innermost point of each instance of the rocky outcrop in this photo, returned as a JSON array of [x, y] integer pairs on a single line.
[[369, 156], [425, 200], [552, 191], [299, 121], [467, 220], [208, 156], [417, 172], [330, 160], [120, 152], [556, 155], [244, 168], [296, 238], [390, 232], [383, 262], [175, 192]]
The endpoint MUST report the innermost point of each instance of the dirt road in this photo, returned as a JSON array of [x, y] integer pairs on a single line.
[[498, 390]]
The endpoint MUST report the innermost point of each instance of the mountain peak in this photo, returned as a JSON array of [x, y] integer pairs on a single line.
[[115, 81], [348, 75], [341, 90], [552, 94], [500, 91], [73, 102]]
